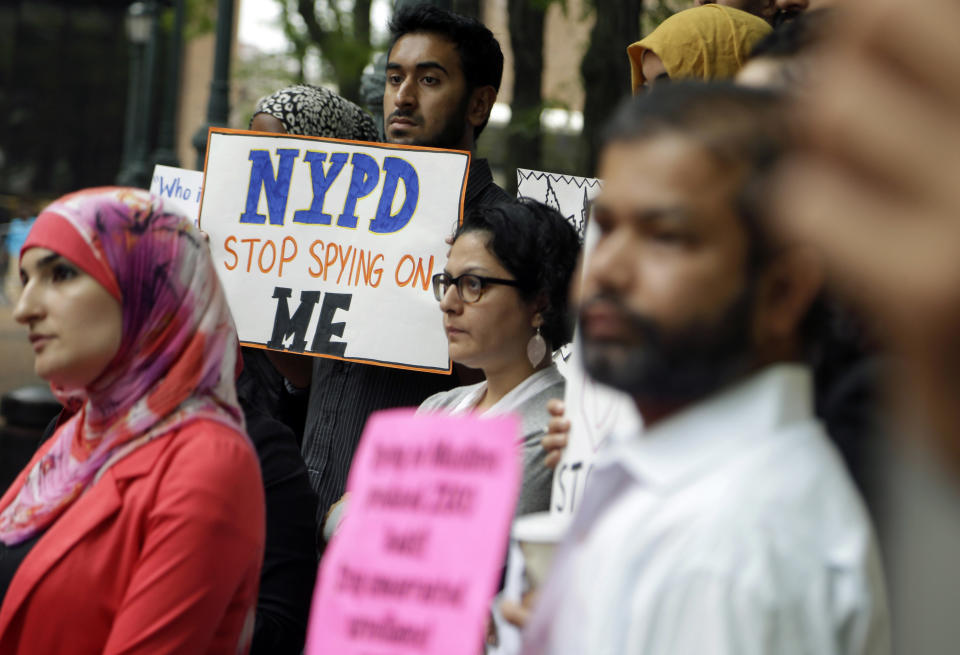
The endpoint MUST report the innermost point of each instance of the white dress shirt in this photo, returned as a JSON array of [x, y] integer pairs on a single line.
[[729, 528]]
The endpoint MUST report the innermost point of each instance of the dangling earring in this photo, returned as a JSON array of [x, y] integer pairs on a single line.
[[536, 349]]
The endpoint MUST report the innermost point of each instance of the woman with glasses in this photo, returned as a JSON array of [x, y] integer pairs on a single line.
[[503, 294]]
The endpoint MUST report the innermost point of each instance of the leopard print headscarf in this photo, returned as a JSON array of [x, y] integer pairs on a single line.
[[315, 111]]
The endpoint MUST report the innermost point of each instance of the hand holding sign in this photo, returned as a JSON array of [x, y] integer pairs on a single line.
[[558, 433], [415, 563]]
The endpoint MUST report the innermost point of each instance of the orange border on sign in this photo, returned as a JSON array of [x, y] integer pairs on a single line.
[[368, 144], [355, 360]]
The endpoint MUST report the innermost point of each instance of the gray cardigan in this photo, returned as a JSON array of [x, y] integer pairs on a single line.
[[537, 478]]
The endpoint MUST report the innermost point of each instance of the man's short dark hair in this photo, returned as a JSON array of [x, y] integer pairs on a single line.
[[480, 54], [741, 127]]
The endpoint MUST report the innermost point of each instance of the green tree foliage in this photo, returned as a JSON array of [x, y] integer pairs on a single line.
[[201, 16], [299, 41], [605, 71], [342, 34], [657, 11]]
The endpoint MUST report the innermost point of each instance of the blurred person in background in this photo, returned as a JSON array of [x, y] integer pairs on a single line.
[[765, 9], [873, 185], [731, 525], [711, 42], [775, 12], [886, 204], [850, 366], [139, 525], [785, 60]]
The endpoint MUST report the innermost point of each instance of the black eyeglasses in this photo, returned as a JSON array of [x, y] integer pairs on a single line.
[[470, 287]]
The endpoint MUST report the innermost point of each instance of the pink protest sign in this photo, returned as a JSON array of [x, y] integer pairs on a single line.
[[417, 558]]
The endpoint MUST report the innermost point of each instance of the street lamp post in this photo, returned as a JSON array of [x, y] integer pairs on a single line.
[[165, 153], [141, 164], [218, 108], [138, 25]]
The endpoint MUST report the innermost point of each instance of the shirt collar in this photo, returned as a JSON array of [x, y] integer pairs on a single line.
[[716, 429]]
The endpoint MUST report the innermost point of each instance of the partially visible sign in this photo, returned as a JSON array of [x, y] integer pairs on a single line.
[[568, 194], [595, 411], [327, 247], [180, 188], [417, 558]]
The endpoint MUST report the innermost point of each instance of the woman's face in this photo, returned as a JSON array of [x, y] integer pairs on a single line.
[[493, 332], [75, 324]]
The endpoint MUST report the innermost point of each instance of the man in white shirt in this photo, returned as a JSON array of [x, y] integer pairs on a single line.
[[730, 526]]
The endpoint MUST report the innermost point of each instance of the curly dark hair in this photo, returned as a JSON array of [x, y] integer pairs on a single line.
[[539, 247], [480, 55]]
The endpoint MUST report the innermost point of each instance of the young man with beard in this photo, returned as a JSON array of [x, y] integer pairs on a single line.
[[730, 526], [443, 73]]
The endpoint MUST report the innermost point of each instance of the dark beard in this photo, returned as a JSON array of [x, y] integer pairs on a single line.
[[677, 367], [450, 135]]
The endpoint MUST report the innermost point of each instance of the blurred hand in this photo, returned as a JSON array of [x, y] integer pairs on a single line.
[[518, 614], [491, 638], [874, 185], [558, 430], [334, 516], [298, 369]]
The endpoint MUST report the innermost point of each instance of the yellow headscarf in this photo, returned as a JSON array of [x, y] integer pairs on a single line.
[[708, 42]]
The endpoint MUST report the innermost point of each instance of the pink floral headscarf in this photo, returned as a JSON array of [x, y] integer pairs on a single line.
[[177, 358]]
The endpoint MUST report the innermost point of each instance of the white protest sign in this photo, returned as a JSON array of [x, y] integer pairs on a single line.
[[180, 188], [328, 247], [568, 194], [594, 410]]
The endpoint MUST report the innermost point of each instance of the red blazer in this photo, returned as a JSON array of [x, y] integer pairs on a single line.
[[161, 555]]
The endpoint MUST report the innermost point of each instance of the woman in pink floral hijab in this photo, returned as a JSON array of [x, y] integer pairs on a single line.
[[148, 498]]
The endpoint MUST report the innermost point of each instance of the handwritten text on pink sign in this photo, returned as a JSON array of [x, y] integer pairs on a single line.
[[417, 558]]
